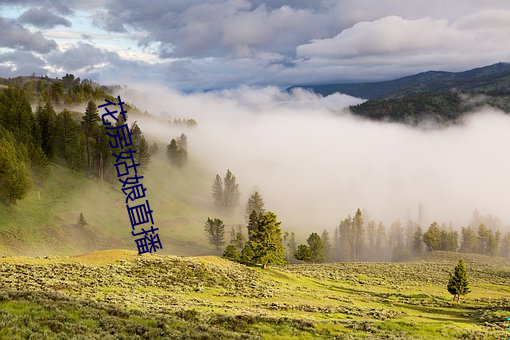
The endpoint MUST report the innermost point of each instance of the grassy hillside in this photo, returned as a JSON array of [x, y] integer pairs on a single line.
[[45, 222], [118, 293]]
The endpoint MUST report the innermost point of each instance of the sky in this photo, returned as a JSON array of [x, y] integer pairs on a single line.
[[194, 45]]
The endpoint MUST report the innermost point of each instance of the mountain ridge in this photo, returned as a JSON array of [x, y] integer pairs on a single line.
[[491, 78]]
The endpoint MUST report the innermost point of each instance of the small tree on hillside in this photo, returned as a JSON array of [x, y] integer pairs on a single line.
[[217, 192], [81, 220], [303, 253], [266, 241], [231, 253], [458, 284], [215, 230]]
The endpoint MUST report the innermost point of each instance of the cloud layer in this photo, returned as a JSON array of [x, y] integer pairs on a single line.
[[314, 163]]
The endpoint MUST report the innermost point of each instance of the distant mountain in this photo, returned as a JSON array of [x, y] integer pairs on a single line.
[[493, 79]]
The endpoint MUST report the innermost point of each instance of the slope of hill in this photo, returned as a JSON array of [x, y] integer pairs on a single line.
[[45, 222], [120, 294], [493, 79]]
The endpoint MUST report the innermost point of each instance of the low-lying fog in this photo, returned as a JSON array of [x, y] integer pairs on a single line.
[[315, 163]]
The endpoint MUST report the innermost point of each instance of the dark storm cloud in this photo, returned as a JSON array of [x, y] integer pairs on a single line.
[[16, 36], [42, 18]]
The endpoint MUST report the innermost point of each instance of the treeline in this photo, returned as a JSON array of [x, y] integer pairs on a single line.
[[66, 91], [30, 140], [357, 240], [443, 107]]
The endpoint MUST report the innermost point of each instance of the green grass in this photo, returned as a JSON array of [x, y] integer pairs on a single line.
[[119, 293], [44, 222]]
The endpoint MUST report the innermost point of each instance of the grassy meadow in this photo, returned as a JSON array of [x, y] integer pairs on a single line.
[[119, 294]]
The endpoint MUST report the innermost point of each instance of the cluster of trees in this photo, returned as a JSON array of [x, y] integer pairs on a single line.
[[226, 193], [264, 245], [30, 140], [258, 243], [68, 90], [357, 240], [177, 151], [182, 121]]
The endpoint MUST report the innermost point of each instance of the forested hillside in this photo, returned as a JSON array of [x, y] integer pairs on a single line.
[[443, 97]]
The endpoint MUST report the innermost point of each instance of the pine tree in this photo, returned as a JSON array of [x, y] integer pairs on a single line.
[[143, 154], [303, 253], [177, 151], [316, 247], [432, 237], [232, 253], [215, 230], [381, 246], [247, 254], [418, 241], [230, 192], [14, 175], [357, 234], [253, 225], [289, 240], [255, 203], [470, 242], [458, 283], [326, 243], [89, 121], [237, 237], [81, 220], [266, 241], [345, 232], [217, 193]]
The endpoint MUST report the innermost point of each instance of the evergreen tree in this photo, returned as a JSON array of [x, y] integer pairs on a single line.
[[266, 241], [154, 149], [316, 247], [357, 234], [469, 241], [247, 254], [67, 140], [458, 283], [232, 253], [46, 117], [289, 240], [177, 151], [303, 253], [326, 243], [253, 225], [89, 122], [230, 192], [217, 193], [418, 241], [14, 175], [381, 240], [255, 203], [345, 231], [505, 245], [237, 237], [432, 237], [371, 238], [81, 221], [215, 231], [143, 154]]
